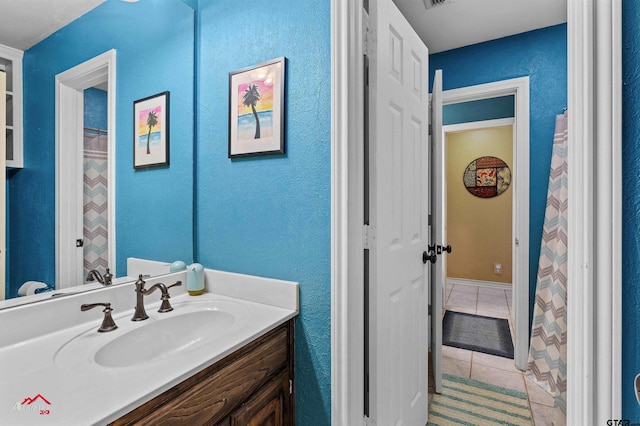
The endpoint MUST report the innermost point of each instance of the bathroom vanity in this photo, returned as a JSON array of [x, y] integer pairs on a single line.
[[224, 357], [253, 385]]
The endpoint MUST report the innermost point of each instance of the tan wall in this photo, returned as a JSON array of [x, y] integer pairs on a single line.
[[478, 229]]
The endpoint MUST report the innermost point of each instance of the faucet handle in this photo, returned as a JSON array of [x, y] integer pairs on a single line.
[[165, 306], [176, 284], [108, 277], [107, 323]]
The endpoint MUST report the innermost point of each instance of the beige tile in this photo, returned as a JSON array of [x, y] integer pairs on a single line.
[[463, 310], [466, 288], [456, 367], [452, 304], [456, 353], [498, 377], [492, 298], [494, 307], [537, 394], [499, 362], [542, 415], [460, 295], [496, 292], [491, 313]]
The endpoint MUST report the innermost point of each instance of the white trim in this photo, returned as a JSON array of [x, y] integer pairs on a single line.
[[347, 206], [479, 283], [3, 187], [70, 85], [519, 88], [474, 125], [595, 209]]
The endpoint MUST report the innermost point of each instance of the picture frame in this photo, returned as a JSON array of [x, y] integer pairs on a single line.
[[257, 109], [151, 131]]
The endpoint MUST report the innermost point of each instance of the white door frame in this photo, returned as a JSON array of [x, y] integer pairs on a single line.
[[70, 86], [592, 293], [3, 187], [594, 282], [519, 88]]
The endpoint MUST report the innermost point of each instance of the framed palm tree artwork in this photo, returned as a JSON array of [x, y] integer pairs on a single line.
[[257, 110], [151, 131]]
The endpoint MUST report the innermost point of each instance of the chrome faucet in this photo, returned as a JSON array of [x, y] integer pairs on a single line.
[[104, 280], [140, 313]]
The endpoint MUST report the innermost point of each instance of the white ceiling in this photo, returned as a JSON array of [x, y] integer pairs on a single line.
[[24, 23], [459, 23]]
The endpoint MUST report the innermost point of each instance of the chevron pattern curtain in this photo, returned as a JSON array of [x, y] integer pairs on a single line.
[[548, 351], [96, 253]]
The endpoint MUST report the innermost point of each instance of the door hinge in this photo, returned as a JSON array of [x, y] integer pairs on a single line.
[[290, 387], [429, 221], [429, 310], [367, 43], [368, 237], [429, 129]]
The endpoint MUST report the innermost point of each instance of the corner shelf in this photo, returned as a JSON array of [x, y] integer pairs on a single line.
[[11, 64]]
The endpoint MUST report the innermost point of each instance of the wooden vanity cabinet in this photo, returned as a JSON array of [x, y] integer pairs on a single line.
[[251, 386]]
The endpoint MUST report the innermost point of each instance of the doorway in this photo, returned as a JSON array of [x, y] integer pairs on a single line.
[[586, 227], [478, 201], [70, 159], [518, 89]]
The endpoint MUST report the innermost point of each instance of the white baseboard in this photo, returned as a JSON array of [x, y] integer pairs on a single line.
[[478, 283]]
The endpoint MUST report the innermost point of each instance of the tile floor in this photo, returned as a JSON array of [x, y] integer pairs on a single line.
[[492, 369]]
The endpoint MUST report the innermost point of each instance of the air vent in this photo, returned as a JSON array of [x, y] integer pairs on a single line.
[[428, 4]]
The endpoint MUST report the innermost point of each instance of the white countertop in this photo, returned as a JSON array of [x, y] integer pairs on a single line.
[[83, 392]]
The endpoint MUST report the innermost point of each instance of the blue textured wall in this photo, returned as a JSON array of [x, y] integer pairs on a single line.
[[95, 108], [541, 55], [480, 110], [630, 206], [270, 215], [154, 40]]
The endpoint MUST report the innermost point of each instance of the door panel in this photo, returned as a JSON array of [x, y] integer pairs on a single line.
[[399, 200], [438, 270]]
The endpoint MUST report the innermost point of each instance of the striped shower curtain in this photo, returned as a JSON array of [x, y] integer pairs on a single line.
[[96, 253], [548, 351]]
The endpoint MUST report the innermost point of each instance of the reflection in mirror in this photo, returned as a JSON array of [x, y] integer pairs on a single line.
[[152, 207]]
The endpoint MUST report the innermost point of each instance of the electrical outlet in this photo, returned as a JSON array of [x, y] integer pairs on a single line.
[[497, 268]]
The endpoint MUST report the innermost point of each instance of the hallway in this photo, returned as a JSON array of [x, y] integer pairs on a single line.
[[495, 370]]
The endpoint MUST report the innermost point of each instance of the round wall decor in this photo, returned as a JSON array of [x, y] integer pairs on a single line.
[[487, 177]]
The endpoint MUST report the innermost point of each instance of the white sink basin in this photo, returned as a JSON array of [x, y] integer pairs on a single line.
[[190, 326], [164, 338]]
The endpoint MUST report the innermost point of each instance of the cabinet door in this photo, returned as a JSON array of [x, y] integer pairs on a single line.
[[267, 406]]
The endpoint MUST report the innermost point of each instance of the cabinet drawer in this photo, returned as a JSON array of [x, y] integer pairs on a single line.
[[210, 395]]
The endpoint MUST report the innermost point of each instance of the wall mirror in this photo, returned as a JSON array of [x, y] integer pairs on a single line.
[[152, 209]]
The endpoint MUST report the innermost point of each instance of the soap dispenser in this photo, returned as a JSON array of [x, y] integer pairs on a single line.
[[195, 279]]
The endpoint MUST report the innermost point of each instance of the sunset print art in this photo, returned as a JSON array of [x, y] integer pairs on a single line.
[[257, 109], [151, 131]]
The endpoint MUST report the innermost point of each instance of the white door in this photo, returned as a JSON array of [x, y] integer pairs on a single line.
[[69, 195], [438, 269], [399, 215]]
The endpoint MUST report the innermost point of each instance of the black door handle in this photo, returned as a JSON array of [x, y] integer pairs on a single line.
[[426, 257]]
